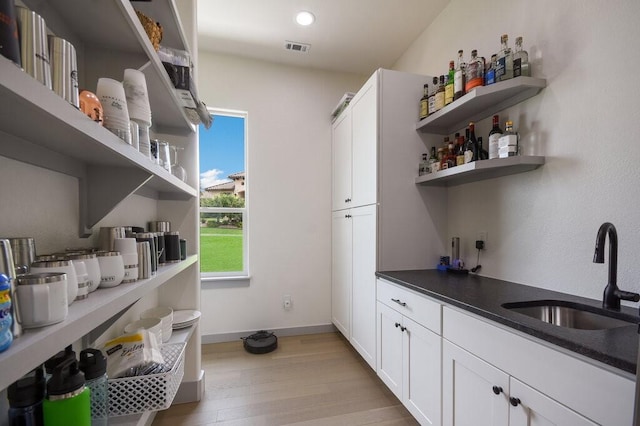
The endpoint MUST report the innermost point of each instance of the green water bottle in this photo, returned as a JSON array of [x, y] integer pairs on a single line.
[[68, 400]]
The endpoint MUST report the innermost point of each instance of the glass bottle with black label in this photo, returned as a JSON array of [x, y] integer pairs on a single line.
[[440, 94], [504, 68], [432, 96], [423, 167], [449, 88], [471, 145], [520, 60]]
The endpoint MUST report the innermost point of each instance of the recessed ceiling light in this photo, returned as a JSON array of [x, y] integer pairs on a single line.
[[305, 18]]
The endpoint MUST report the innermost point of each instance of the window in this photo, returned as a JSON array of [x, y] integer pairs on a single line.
[[223, 196]]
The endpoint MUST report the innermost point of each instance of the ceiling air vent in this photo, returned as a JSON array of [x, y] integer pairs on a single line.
[[297, 46]]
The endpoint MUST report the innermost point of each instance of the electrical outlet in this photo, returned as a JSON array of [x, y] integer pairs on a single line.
[[482, 236], [286, 302]]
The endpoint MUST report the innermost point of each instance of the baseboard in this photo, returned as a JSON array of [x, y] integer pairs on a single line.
[[190, 391], [280, 332]]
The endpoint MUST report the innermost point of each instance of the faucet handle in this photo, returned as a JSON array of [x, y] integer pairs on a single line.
[[628, 295]]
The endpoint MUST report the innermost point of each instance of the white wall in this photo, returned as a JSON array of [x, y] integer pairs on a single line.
[[289, 191], [542, 224]]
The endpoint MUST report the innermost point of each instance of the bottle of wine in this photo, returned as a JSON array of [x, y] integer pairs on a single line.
[[475, 72], [482, 153], [440, 94], [432, 96], [424, 102], [504, 69], [449, 89], [494, 135], [458, 78], [520, 60], [471, 145]]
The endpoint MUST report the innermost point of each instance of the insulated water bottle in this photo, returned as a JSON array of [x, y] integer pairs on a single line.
[[94, 366], [68, 400]]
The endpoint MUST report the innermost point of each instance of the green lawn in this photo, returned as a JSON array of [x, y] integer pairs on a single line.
[[220, 250]]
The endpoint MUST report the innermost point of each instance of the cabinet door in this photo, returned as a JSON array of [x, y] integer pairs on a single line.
[[389, 348], [364, 119], [341, 271], [341, 161], [535, 409], [363, 293], [422, 370], [468, 398]]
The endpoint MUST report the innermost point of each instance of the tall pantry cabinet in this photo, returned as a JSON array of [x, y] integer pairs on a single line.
[[93, 179], [379, 220]]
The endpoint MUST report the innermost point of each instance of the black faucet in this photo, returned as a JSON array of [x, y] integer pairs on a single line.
[[612, 294]]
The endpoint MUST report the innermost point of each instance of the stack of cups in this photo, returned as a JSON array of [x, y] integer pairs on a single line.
[[165, 314], [135, 88], [64, 70], [129, 251], [34, 46], [114, 104], [144, 260]]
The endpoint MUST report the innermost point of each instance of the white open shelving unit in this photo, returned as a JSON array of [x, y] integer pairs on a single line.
[[39, 128], [480, 103]]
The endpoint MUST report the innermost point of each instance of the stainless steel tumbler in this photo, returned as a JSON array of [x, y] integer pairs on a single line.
[[64, 70], [34, 50]]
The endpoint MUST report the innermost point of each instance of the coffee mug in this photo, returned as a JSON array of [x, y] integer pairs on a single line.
[[93, 267], [64, 266], [111, 268], [42, 298]]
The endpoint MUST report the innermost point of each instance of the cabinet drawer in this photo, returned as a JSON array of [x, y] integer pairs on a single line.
[[415, 306]]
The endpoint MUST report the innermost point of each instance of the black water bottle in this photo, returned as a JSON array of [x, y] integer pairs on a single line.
[[25, 400]]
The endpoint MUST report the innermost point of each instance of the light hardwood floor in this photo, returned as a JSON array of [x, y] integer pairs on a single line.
[[309, 380]]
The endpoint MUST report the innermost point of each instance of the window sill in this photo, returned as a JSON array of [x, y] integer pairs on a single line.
[[225, 282]]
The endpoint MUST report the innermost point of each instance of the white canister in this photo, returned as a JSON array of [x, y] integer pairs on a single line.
[[64, 266], [83, 278], [111, 268], [41, 298], [93, 268]]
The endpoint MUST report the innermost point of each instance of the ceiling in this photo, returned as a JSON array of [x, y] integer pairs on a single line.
[[356, 36]]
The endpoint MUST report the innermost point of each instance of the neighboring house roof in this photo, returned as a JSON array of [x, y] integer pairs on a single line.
[[236, 175], [222, 186]]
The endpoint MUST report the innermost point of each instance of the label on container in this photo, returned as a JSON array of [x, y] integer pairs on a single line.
[[491, 76], [439, 100], [458, 82], [432, 104], [448, 94], [493, 145], [500, 68]]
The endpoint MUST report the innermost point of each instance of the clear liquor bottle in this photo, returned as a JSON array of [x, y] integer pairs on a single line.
[[440, 94], [424, 102], [432, 96], [520, 60], [474, 72], [459, 77], [424, 167], [504, 66], [449, 89], [508, 144]]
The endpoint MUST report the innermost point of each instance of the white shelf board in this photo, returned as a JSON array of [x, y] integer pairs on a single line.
[[480, 103], [35, 346], [481, 170], [62, 138]]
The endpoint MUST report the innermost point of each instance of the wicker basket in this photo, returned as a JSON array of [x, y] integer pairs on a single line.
[[134, 395], [152, 28]]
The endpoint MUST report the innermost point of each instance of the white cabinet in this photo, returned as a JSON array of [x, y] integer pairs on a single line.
[[41, 129], [408, 352], [477, 393], [353, 281], [537, 385], [375, 154]]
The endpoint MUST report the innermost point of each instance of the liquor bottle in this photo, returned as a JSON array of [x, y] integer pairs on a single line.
[[440, 94], [508, 142], [423, 167], [451, 155], [459, 149], [490, 75], [449, 89], [432, 96], [471, 145], [504, 68], [494, 135], [432, 159], [424, 102], [482, 153], [475, 72], [458, 78], [520, 60]]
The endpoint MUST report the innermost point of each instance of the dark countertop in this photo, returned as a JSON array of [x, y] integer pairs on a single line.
[[617, 347]]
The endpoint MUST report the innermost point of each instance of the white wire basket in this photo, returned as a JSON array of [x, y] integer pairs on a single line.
[[134, 395]]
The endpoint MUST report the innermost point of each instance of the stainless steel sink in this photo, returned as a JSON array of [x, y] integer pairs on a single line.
[[571, 315]]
